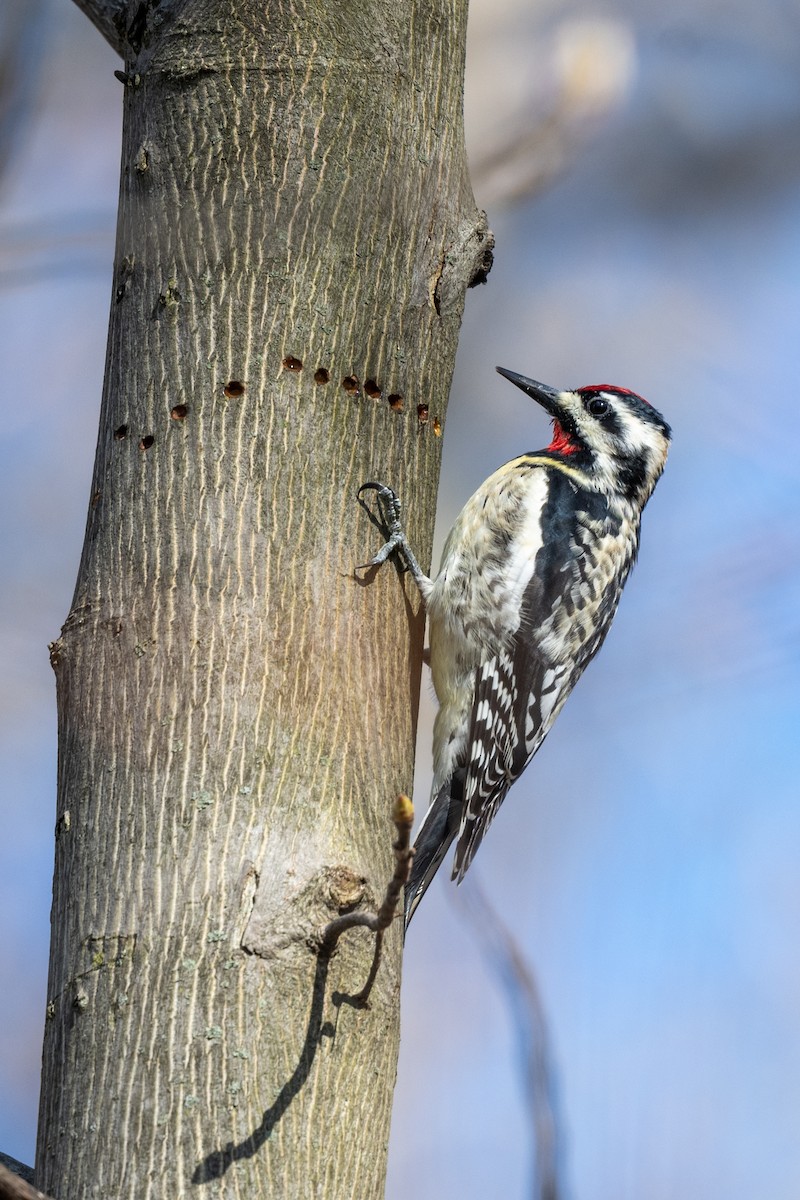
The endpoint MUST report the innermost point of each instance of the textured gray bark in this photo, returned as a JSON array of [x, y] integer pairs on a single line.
[[236, 710]]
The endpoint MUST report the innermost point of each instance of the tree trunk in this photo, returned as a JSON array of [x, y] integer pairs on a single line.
[[236, 709]]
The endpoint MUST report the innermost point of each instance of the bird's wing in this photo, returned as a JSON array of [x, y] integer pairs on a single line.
[[519, 692], [511, 717]]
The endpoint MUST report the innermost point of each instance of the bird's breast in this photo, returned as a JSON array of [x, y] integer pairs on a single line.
[[487, 563]]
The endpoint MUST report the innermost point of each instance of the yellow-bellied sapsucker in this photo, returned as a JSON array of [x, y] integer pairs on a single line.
[[531, 575]]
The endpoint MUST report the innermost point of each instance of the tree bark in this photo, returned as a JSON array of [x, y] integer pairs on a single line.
[[236, 709]]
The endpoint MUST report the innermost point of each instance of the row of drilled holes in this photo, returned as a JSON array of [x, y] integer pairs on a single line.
[[178, 412], [234, 388], [351, 385]]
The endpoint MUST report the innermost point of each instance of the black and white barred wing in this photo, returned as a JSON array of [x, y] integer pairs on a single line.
[[517, 698], [491, 755]]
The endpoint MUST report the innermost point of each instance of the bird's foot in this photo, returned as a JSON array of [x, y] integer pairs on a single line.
[[390, 509]]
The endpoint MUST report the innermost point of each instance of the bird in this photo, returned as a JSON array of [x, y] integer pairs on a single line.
[[530, 579]]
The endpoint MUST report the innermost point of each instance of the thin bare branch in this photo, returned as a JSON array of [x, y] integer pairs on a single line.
[[508, 962], [379, 922], [15, 1187], [110, 17]]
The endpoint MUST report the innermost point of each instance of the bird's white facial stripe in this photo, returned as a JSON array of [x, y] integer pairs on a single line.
[[638, 434]]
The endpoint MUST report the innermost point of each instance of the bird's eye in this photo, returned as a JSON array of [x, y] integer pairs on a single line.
[[597, 406]]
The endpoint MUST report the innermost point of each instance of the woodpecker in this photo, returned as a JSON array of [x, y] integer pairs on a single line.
[[531, 576]]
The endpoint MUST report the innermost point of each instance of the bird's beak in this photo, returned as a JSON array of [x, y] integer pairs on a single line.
[[551, 400]]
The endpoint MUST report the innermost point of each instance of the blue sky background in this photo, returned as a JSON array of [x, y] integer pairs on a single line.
[[648, 862]]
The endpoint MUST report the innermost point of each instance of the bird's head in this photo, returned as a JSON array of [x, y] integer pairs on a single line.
[[619, 439]]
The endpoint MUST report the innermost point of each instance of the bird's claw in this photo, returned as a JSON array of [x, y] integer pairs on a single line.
[[389, 503], [391, 508]]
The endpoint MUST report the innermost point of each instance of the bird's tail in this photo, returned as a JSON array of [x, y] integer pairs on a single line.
[[440, 826]]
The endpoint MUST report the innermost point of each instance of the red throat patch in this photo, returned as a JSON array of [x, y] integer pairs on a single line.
[[561, 443]]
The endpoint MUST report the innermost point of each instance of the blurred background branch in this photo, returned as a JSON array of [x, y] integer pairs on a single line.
[[533, 1056], [23, 40]]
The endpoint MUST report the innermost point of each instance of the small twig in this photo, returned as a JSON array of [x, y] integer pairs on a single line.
[[378, 922]]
